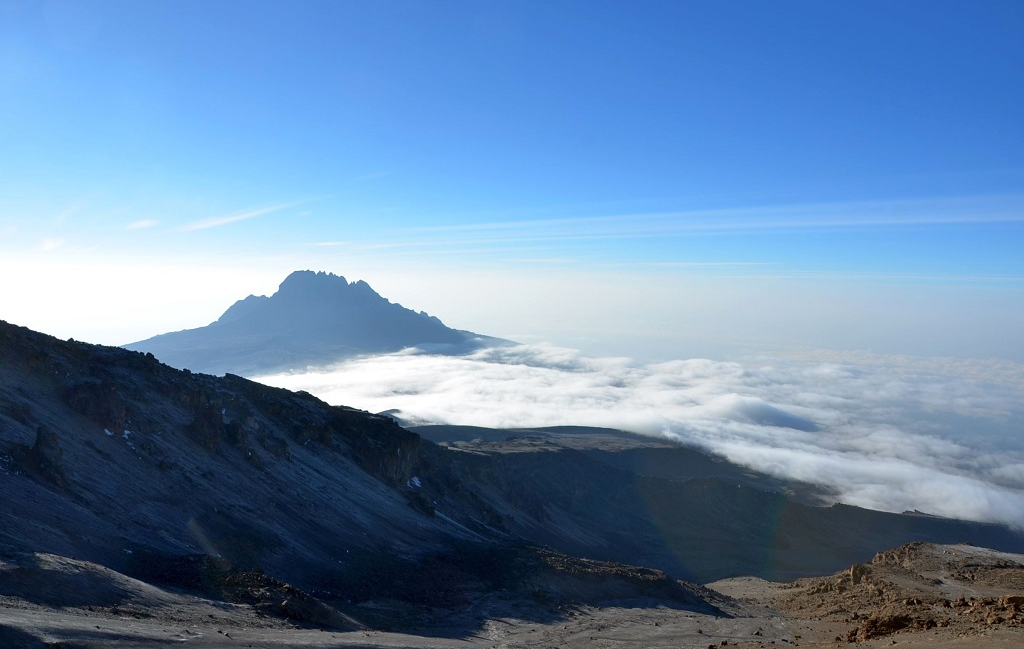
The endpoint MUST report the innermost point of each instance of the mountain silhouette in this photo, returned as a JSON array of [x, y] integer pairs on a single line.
[[314, 318]]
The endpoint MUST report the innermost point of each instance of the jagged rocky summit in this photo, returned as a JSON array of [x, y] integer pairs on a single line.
[[314, 318]]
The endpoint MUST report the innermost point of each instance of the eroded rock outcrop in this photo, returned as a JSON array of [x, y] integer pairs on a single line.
[[99, 401], [44, 459]]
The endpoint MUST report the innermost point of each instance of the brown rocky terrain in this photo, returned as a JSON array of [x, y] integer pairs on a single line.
[[919, 594]]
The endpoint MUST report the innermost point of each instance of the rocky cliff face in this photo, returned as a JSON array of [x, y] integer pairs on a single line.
[[107, 453], [43, 459]]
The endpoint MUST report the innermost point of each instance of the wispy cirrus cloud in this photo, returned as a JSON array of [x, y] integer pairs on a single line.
[[71, 211], [218, 221], [705, 264], [142, 224], [806, 216], [726, 241]]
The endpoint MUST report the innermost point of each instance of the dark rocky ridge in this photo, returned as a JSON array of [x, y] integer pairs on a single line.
[[230, 488], [314, 318], [214, 484], [182, 463]]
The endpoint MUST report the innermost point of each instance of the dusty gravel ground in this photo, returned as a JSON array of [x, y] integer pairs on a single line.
[[919, 595], [587, 627], [610, 626]]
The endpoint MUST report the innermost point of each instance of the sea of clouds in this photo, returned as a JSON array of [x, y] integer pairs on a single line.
[[941, 436]]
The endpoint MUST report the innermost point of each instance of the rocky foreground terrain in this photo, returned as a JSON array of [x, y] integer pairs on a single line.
[[918, 595], [143, 505]]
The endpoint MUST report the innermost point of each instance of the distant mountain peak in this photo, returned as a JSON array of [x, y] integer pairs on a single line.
[[314, 318], [300, 279], [318, 288]]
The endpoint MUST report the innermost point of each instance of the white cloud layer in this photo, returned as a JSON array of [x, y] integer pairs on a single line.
[[884, 433]]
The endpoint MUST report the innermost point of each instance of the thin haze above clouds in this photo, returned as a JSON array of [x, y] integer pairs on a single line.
[[887, 435]]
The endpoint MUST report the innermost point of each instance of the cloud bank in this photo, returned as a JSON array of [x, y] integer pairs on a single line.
[[884, 433]]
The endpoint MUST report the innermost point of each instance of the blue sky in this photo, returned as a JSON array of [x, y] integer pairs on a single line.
[[659, 177]]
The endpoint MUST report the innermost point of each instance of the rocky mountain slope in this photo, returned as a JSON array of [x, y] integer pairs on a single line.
[[247, 495], [622, 497], [314, 318]]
